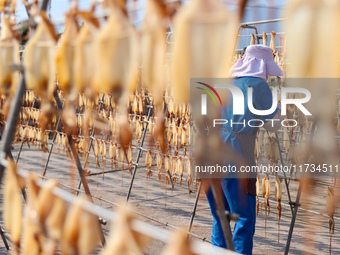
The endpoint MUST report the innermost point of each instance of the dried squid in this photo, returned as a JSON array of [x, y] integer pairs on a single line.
[[278, 197], [266, 194], [148, 163], [179, 244], [32, 237], [81, 233], [50, 212], [153, 53], [159, 165], [9, 48], [39, 60], [65, 53], [264, 38], [252, 40], [272, 44], [203, 30], [84, 55], [40, 66], [123, 239], [116, 56], [188, 166], [13, 203]]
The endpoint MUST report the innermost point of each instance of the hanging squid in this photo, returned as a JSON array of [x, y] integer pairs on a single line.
[[257, 194], [210, 24], [278, 197], [266, 194], [148, 163], [180, 169], [159, 165]]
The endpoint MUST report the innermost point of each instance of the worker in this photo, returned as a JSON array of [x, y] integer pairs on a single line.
[[239, 194]]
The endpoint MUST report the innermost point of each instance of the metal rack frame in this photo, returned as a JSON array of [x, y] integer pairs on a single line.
[[146, 229], [10, 130], [11, 127]]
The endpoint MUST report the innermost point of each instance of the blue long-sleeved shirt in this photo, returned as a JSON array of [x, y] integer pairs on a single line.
[[262, 100]]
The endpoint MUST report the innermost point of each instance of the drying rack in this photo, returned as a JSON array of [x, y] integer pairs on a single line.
[[9, 134], [10, 131], [146, 229], [294, 205]]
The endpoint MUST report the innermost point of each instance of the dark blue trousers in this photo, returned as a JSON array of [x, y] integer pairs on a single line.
[[236, 200]]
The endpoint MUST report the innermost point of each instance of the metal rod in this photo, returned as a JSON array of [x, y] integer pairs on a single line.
[[53, 140], [165, 224], [284, 173], [87, 153], [116, 170], [24, 139], [255, 28], [222, 215], [138, 155], [44, 5], [74, 153], [263, 21], [20, 149], [138, 226], [297, 202], [92, 134], [4, 239], [13, 117], [193, 213], [292, 223]]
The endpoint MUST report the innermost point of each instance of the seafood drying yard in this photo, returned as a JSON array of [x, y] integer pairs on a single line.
[[174, 209], [104, 123]]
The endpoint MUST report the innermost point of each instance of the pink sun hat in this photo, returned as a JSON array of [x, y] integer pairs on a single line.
[[257, 62]]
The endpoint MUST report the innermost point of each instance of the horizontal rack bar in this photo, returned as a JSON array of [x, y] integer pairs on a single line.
[[146, 229]]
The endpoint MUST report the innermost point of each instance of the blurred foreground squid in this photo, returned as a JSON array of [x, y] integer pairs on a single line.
[[123, 239], [205, 36], [9, 48], [44, 218], [11, 4], [179, 244], [115, 51], [39, 64], [81, 232], [13, 204], [312, 49], [75, 62], [39, 60], [65, 54], [83, 55], [153, 51], [9, 54], [153, 43], [313, 52], [116, 63]]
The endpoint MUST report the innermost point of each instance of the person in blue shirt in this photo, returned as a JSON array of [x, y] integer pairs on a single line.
[[239, 195]]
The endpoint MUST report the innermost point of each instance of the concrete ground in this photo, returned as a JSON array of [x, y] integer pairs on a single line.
[[158, 205]]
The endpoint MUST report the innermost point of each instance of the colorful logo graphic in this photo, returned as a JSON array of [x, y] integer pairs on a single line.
[[209, 93]]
